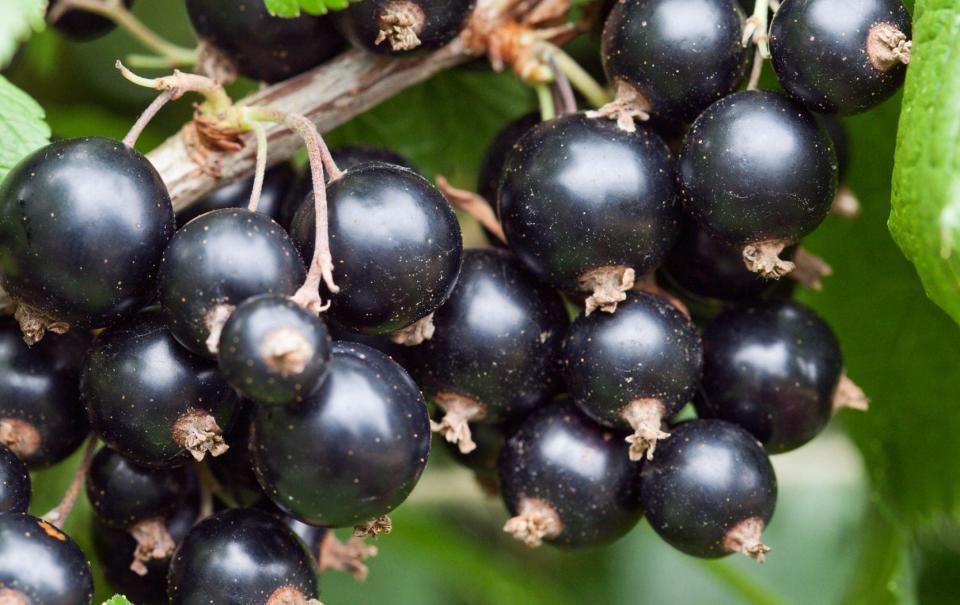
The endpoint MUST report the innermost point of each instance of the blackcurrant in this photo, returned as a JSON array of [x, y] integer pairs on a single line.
[[277, 182], [705, 266], [837, 132], [710, 490], [840, 57], [381, 342], [41, 417], [633, 369], [233, 469], [396, 246], [491, 168], [495, 354], [14, 483], [242, 556], [39, 564], [152, 400], [402, 27], [758, 172], [774, 368], [565, 480], [353, 450], [217, 261], [273, 351], [83, 26], [679, 55], [260, 46], [61, 263], [587, 206]]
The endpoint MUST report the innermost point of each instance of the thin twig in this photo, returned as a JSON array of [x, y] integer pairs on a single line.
[[474, 205], [208, 487], [148, 114], [59, 515], [756, 70], [545, 98], [569, 100], [261, 133]]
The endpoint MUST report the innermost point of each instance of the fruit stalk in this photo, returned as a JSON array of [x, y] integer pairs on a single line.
[[59, 515]]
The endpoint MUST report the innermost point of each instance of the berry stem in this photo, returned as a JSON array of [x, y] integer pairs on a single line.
[[116, 11], [568, 101], [58, 515], [148, 114], [208, 487], [261, 167], [216, 97], [809, 269], [473, 205], [755, 29], [595, 94], [545, 98], [755, 70]]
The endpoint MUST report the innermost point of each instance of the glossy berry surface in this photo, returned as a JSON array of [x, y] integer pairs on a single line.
[[400, 353], [89, 273], [223, 258], [494, 159], [240, 557], [706, 479], [646, 350], [680, 55], [375, 26], [39, 564], [772, 368], [14, 483], [579, 194], [826, 55], [138, 383], [84, 26], [273, 351], [708, 267], [396, 246], [560, 457], [497, 339], [756, 167], [260, 46], [41, 416], [837, 132], [123, 494], [353, 450], [234, 469], [277, 182]]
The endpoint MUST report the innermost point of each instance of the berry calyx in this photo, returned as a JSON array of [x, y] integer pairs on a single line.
[[534, 522], [404, 27]]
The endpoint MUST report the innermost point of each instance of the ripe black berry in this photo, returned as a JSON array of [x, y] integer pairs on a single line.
[[496, 349], [679, 55], [242, 556], [757, 171], [39, 564], [710, 490], [260, 46], [84, 26], [402, 27], [60, 262], [277, 182], [491, 168], [217, 261], [273, 350], [586, 205], [152, 400], [774, 368], [840, 57], [41, 417], [396, 246], [382, 342], [14, 483], [353, 450], [566, 480], [633, 369], [233, 469]]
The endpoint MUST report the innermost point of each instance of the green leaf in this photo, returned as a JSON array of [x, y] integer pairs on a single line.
[[22, 126], [292, 8], [117, 599], [925, 219], [18, 20]]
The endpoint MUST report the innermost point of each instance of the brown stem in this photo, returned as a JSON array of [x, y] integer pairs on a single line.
[[148, 114], [473, 205], [260, 168], [849, 395], [535, 521], [347, 557], [59, 515], [568, 100], [809, 269], [459, 411]]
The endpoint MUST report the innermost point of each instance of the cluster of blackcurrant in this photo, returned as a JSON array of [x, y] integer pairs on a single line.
[[209, 345]]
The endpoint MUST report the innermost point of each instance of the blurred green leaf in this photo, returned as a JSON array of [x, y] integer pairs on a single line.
[[118, 599], [22, 126], [925, 219], [292, 8], [18, 20]]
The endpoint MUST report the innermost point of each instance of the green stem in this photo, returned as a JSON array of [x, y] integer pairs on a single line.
[[545, 97], [593, 92], [748, 589]]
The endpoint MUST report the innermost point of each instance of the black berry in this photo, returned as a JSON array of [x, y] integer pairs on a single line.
[[840, 57], [710, 490], [396, 246], [491, 168], [242, 556], [152, 400], [41, 564], [382, 342], [495, 353], [233, 469], [14, 483], [402, 27], [273, 351], [88, 273], [217, 261], [84, 26], [565, 480], [277, 182], [633, 369], [353, 450], [679, 55], [260, 46], [586, 205]]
